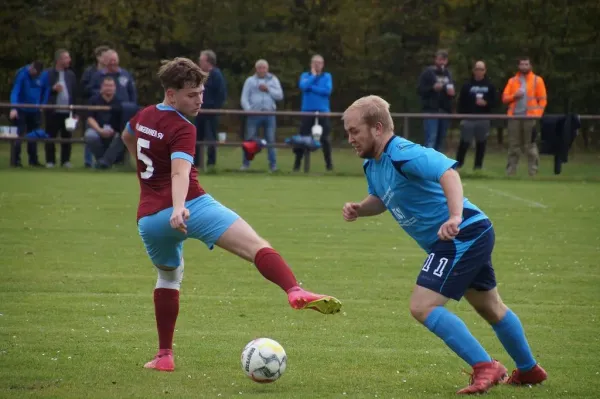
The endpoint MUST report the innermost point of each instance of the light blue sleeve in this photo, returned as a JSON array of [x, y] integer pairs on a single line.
[[422, 163], [245, 97], [129, 129], [182, 155]]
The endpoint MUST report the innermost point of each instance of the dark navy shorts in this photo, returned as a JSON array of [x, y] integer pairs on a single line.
[[453, 267]]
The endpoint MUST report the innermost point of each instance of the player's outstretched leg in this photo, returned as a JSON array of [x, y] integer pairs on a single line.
[[166, 310], [427, 307], [241, 239], [509, 331]]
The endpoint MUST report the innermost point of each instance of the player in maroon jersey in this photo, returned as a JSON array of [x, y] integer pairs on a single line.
[[173, 206]]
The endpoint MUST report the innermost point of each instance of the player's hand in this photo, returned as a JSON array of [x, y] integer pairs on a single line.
[[57, 88], [178, 219], [263, 87], [450, 229], [350, 211]]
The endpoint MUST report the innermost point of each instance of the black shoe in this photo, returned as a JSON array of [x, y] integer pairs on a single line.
[[36, 165]]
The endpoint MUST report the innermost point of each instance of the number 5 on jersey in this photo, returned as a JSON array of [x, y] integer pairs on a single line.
[[143, 143]]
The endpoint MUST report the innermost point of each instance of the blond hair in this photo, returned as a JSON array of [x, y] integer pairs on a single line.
[[373, 109]]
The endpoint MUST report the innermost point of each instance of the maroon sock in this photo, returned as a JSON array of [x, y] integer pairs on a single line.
[[272, 266], [166, 309]]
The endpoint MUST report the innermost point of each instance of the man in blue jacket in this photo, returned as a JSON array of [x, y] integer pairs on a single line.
[[316, 87], [27, 89], [215, 92]]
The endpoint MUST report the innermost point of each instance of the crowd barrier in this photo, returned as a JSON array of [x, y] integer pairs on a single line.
[[395, 115]]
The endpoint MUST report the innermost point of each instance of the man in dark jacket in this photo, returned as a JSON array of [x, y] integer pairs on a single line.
[[477, 96], [215, 92], [85, 87], [27, 89], [436, 88], [60, 86]]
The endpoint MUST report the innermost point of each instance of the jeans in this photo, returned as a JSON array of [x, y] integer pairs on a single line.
[[435, 133], [269, 124], [105, 150]]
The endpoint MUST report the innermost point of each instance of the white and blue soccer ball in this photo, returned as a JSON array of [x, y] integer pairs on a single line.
[[264, 360]]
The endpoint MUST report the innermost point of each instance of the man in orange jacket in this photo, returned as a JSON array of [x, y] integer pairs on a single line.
[[525, 94]]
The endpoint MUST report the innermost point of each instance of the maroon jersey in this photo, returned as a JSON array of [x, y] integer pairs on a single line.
[[162, 134]]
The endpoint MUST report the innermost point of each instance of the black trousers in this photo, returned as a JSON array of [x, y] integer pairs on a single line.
[[306, 130], [26, 122], [55, 127], [206, 128]]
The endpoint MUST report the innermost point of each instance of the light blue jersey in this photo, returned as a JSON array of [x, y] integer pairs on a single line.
[[406, 179]]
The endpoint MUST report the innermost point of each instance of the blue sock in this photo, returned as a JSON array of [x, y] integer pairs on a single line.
[[454, 332], [510, 333]]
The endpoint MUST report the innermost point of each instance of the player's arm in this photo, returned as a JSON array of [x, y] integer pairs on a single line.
[[180, 181], [370, 206], [182, 147], [128, 137], [453, 190]]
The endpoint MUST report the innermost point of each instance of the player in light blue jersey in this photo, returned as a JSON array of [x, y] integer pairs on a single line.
[[424, 194]]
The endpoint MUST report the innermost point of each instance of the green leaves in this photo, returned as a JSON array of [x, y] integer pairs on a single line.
[[370, 46]]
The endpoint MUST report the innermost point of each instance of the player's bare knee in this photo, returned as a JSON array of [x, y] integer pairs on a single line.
[[492, 309], [420, 311]]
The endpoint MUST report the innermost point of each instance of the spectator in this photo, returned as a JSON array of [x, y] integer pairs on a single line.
[[102, 134], [436, 88], [60, 86], [99, 53], [477, 96], [316, 87], [126, 91], [260, 93], [525, 94], [86, 78], [215, 92], [27, 89]]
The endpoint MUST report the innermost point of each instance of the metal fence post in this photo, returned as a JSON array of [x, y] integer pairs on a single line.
[[306, 160]]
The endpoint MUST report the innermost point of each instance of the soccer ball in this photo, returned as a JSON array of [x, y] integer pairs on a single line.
[[264, 360]]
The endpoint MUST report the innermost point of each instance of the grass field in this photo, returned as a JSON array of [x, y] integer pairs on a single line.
[[76, 289]]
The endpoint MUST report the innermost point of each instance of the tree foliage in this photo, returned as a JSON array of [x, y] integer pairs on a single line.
[[370, 46]]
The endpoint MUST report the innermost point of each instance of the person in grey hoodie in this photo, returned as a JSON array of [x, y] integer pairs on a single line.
[[260, 93]]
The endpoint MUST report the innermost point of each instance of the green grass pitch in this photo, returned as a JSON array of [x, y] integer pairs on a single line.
[[76, 289]]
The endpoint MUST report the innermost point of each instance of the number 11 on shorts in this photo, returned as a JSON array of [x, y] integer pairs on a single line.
[[439, 270]]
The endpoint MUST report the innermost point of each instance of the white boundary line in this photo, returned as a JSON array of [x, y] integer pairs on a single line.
[[531, 203]]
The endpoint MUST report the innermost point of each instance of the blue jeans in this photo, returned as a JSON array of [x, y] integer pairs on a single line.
[[435, 133], [268, 123]]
